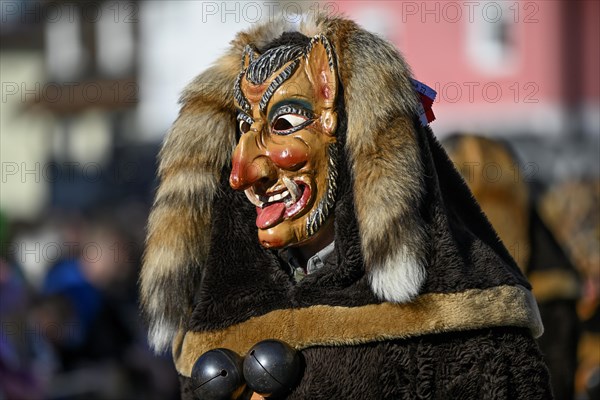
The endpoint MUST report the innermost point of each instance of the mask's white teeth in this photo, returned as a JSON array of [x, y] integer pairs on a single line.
[[292, 187], [277, 197], [253, 198]]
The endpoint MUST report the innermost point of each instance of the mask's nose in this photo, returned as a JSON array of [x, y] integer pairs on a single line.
[[250, 163]]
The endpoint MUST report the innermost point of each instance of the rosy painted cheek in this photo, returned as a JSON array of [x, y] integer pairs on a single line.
[[289, 157]]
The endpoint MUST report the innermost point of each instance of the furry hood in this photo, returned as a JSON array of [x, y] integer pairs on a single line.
[[411, 242]]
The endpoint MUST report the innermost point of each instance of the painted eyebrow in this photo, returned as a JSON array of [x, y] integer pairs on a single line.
[[238, 95], [242, 116], [301, 107], [278, 81]]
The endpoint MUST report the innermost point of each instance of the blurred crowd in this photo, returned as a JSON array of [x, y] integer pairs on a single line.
[[71, 327], [552, 230]]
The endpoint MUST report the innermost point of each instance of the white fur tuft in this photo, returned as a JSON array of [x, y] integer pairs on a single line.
[[399, 279], [160, 335]]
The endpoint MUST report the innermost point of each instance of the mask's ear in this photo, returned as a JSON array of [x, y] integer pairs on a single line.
[[320, 68], [250, 54]]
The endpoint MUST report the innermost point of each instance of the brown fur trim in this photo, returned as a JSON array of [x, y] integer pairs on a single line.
[[336, 326], [554, 284], [382, 149]]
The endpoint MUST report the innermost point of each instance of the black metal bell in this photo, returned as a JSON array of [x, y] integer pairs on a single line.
[[217, 375], [272, 368]]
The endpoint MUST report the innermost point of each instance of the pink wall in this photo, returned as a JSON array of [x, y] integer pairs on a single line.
[[433, 38], [524, 91]]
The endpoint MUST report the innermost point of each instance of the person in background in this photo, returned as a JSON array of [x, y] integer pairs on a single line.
[[494, 175]]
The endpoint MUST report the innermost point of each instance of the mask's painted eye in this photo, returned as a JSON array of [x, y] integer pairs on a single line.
[[244, 126], [287, 123], [244, 123]]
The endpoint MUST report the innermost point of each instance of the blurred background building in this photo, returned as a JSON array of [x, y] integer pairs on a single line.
[[90, 88]]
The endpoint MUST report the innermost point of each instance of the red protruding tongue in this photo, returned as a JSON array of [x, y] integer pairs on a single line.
[[270, 215]]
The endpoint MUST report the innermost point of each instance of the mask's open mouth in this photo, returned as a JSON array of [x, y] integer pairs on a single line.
[[276, 206]]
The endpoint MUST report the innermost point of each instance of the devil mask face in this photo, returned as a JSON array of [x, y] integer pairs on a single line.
[[285, 159]]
